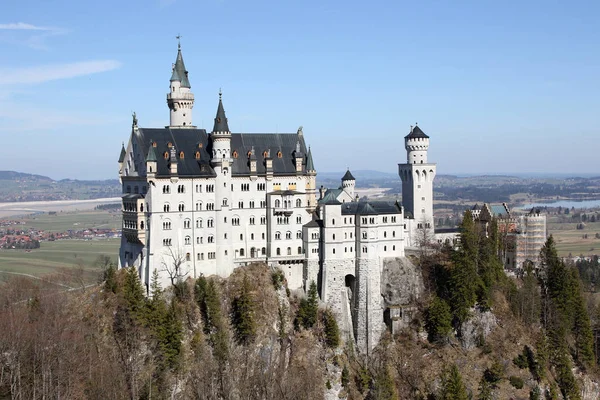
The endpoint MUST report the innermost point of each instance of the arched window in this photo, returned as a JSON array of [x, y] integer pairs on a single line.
[[241, 252], [298, 203], [299, 250], [181, 155], [278, 251], [289, 251], [277, 203], [263, 251]]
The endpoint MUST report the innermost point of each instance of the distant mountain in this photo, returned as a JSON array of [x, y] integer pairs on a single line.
[[13, 175], [359, 174], [19, 186]]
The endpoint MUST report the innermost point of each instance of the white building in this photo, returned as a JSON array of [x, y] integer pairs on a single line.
[[202, 203], [198, 202]]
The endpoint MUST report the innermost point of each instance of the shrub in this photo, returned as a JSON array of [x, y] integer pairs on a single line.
[[516, 382], [277, 278]]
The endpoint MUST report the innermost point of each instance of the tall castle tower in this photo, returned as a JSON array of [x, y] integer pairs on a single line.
[[417, 179], [180, 98], [222, 162]]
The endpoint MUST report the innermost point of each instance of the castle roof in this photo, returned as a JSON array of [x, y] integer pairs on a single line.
[[371, 208], [348, 176], [191, 141], [221, 124], [330, 199], [415, 133], [123, 154], [151, 154], [179, 72], [310, 166]]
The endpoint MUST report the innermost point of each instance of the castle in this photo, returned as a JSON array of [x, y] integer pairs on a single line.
[[203, 203]]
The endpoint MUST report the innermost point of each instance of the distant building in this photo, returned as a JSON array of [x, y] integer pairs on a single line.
[[523, 235]]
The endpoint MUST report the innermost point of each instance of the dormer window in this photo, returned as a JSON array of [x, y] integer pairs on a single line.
[[279, 154], [265, 154], [197, 155], [166, 155], [153, 144], [200, 145], [235, 154], [169, 145], [181, 155]]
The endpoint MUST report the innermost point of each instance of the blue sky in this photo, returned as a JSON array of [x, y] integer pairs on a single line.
[[500, 87]]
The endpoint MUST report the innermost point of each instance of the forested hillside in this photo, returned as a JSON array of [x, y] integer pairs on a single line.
[[476, 334]]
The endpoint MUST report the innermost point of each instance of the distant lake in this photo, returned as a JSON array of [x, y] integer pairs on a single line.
[[564, 204]]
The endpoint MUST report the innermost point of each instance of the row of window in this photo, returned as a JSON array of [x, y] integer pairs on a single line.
[[288, 235], [136, 189], [287, 203]]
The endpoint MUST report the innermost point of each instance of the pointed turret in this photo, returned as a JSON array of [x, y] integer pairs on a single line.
[[221, 136], [123, 153], [180, 74], [151, 154], [221, 124], [348, 183], [310, 166], [180, 98], [151, 165]]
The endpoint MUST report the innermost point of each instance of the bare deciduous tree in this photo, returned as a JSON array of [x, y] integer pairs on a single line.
[[173, 264]]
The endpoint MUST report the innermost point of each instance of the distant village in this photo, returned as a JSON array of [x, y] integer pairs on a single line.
[[13, 235]]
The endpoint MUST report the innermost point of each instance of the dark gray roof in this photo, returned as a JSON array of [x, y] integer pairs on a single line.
[[348, 176], [447, 230], [476, 207], [191, 141], [310, 166], [330, 199], [122, 156], [220, 120], [179, 72], [131, 196], [371, 208], [416, 132], [314, 224], [151, 154]]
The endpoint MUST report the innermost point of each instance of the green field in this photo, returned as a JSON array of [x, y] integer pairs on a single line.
[[52, 256], [75, 220], [569, 239]]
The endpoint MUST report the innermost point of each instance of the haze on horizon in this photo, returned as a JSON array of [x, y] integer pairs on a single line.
[[504, 88]]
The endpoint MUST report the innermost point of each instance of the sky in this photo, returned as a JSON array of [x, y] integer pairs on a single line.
[[500, 87]]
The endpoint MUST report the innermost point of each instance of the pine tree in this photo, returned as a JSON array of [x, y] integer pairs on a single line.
[[485, 389], [438, 321], [110, 279], [345, 379], [243, 315], [308, 310], [464, 282], [582, 330], [332, 333], [384, 388], [453, 387], [133, 293]]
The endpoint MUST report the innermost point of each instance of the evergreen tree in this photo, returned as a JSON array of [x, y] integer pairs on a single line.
[[384, 388], [170, 337], [133, 293], [110, 279], [438, 321], [485, 390], [345, 377], [464, 282], [308, 310], [243, 315], [453, 387], [566, 381], [332, 333], [582, 330]]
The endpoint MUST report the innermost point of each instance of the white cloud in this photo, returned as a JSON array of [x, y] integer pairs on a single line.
[[22, 26], [52, 72], [32, 36]]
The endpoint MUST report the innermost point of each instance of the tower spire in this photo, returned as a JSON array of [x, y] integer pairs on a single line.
[[180, 98], [221, 124]]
